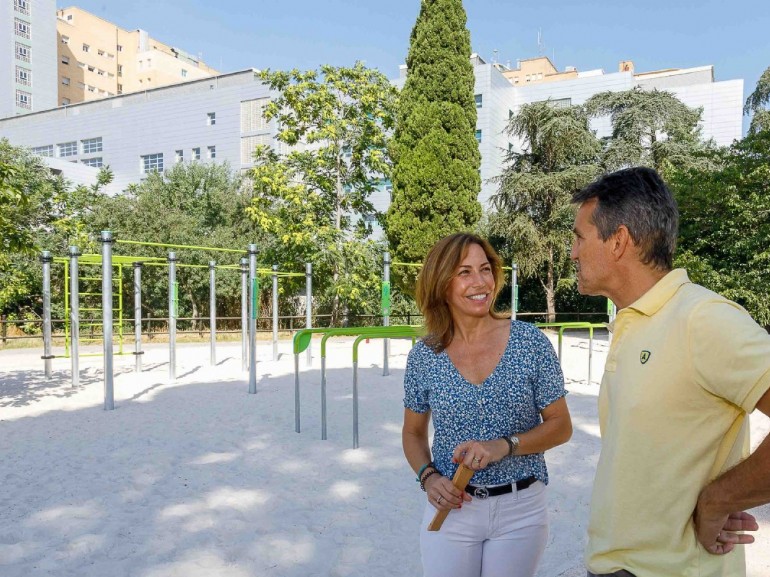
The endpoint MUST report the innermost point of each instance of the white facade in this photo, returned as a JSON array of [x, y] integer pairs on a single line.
[[219, 119], [27, 56]]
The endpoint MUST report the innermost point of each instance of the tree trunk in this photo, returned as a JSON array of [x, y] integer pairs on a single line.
[[335, 313], [550, 291]]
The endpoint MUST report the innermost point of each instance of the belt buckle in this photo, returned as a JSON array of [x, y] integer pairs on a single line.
[[481, 492]]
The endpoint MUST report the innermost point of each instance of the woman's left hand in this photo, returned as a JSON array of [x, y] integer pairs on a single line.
[[479, 454]]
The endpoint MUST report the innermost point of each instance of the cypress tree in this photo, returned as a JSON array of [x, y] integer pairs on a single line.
[[436, 158]]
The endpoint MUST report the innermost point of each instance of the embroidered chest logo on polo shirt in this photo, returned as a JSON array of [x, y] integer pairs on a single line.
[[644, 356]]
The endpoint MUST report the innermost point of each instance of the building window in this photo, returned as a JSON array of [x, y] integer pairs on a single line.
[[69, 17], [23, 76], [120, 89], [65, 39], [46, 150], [65, 80], [212, 152], [196, 153], [65, 60], [23, 52], [95, 162], [100, 72], [68, 148], [24, 99], [179, 156], [120, 70], [65, 101], [91, 68], [152, 163], [100, 52], [479, 99], [22, 28], [91, 145], [86, 48], [91, 88], [21, 6], [184, 73], [478, 136], [211, 118], [119, 48]]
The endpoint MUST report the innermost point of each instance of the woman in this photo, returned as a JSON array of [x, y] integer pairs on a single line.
[[495, 392]]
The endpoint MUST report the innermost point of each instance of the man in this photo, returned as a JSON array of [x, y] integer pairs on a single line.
[[684, 369]]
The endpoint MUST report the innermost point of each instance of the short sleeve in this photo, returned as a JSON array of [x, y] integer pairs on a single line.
[[730, 353], [549, 386], [415, 387]]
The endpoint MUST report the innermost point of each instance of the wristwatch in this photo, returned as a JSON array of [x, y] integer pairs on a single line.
[[514, 447]]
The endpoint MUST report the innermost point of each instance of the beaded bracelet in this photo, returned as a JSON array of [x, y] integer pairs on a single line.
[[510, 446], [422, 469], [425, 478]]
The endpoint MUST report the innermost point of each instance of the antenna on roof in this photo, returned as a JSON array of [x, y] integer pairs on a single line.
[[540, 41], [494, 56]]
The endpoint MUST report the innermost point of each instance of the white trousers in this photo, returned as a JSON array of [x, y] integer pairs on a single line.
[[495, 537]]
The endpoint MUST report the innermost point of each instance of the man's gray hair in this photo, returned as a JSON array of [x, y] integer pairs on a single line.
[[639, 199]]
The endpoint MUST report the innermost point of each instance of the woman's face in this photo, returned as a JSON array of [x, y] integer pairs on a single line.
[[472, 287]]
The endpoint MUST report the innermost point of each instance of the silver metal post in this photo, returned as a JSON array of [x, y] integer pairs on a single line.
[[173, 300], [296, 393], [386, 318], [213, 310], [138, 317], [275, 312], [47, 259], [514, 290], [323, 397], [309, 307], [253, 319], [74, 316], [590, 353], [355, 404], [109, 391], [244, 314]]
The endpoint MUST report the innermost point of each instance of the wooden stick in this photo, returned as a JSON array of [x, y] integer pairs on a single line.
[[460, 480]]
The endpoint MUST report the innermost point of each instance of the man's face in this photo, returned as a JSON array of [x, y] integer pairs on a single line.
[[590, 253]]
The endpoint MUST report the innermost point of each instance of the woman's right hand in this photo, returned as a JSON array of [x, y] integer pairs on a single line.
[[443, 495]]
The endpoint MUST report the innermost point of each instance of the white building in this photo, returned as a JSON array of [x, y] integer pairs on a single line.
[[219, 119], [28, 69]]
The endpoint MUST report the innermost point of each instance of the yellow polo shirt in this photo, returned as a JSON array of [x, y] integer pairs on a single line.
[[685, 368]]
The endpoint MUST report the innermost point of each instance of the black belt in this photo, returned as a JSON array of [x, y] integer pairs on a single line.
[[484, 492]]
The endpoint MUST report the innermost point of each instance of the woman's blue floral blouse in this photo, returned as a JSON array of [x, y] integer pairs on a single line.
[[527, 379]]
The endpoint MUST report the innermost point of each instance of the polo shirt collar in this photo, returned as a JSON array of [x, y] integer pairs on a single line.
[[654, 299]]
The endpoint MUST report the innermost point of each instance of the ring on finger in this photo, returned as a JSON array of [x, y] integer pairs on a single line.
[[439, 499], [476, 461]]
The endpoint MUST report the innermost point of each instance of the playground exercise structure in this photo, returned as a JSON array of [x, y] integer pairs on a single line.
[[250, 287]]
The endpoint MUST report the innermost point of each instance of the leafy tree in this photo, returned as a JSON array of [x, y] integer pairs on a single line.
[[190, 204], [649, 128], [436, 157], [725, 223], [316, 198], [756, 104], [38, 211], [533, 212]]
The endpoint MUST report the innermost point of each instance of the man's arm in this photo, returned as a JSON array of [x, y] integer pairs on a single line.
[[722, 503]]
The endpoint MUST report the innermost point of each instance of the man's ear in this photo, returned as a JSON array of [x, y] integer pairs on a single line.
[[621, 242]]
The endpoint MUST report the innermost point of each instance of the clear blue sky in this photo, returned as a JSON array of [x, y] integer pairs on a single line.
[[236, 34]]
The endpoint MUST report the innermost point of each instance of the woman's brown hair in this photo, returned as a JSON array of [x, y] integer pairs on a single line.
[[438, 269]]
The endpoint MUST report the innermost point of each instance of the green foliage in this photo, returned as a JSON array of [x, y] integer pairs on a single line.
[[757, 102], [38, 211], [315, 200], [649, 128], [191, 204], [725, 223], [533, 212], [436, 157]]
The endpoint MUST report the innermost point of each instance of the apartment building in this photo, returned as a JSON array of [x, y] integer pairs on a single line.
[[28, 69], [97, 59], [219, 119]]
